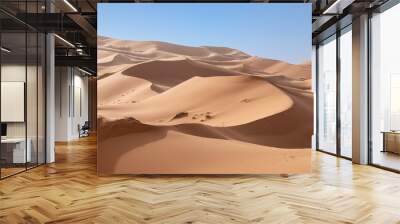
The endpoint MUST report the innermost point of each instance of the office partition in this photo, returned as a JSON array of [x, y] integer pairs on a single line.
[[22, 77]]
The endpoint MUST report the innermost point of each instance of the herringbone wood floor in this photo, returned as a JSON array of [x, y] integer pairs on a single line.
[[69, 191]]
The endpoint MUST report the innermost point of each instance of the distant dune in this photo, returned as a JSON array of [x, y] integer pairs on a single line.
[[168, 108]]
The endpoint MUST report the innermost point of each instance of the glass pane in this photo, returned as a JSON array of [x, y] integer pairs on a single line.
[[31, 98], [346, 93], [327, 96], [41, 98], [13, 87], [385, 86]]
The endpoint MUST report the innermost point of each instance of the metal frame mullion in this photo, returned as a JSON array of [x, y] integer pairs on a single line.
[[338, 81], [369, 91], [0, 95], [317, 97], [26, 88], [37, 91]]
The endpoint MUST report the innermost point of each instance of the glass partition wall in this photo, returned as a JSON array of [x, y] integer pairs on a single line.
[[13, 90], [345, 93], [334, 83], [385, 89], [22, 98], [327, 95]]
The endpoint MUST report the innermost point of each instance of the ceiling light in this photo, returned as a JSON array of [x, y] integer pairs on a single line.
[[65, 41], [79, 51], [86, 72], [5, 50], [70, 5], [338, 6]]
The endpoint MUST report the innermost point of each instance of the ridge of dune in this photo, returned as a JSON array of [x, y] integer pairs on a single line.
[[105, 58], [114, 59], [130, 90], [218, 57], [226, 51], [173, 72], [259, 64], [220, 101], [143, 46], [276, 67]]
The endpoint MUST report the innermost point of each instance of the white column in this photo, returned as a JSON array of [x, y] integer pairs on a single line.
[[63, 100], [360, 90], [50, 99]]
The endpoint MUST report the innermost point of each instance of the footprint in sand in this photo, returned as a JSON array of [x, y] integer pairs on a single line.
[[181, 115], [246, 100], [209, 116]]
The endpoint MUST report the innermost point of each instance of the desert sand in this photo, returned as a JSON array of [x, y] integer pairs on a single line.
[[165, 108]]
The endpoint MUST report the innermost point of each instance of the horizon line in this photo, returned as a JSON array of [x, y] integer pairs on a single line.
[[307, 61]]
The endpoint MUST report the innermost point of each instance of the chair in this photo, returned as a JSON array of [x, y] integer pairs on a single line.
[[84, 130]]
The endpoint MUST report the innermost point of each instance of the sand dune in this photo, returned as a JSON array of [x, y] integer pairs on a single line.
[[301, 71], [125, 90], [173, 72], [225, 101], [170, 152], [115, 59], [168, 108], [148, 47]]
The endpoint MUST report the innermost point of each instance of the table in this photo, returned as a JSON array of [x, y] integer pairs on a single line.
[[391, 141], [13, 150]]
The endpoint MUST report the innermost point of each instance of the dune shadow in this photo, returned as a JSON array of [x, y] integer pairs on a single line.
[[288, 129], [116, 139], [172, 73]]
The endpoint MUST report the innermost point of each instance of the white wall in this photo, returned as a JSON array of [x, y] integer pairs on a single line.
[[70, 83], [81, 84], [62, 81]]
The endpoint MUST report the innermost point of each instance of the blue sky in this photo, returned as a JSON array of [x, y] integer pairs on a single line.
[[278, 31]]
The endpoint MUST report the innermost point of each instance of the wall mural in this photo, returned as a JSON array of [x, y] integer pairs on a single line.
[[204, 89]]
